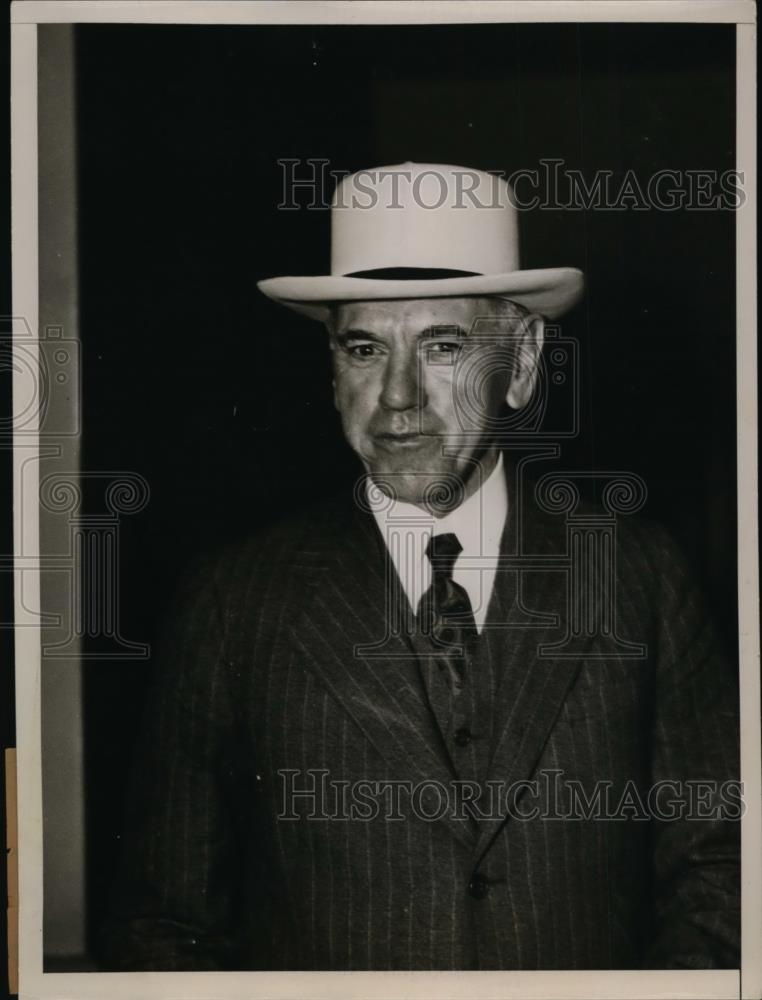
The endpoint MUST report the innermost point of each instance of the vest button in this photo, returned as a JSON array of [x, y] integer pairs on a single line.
[[463, 736], [478, 887], [446, 635]]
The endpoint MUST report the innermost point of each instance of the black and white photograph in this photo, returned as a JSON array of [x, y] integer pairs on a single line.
[[386, 579]]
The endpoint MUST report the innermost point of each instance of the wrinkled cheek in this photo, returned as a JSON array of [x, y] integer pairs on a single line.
[[356, 410], [479, 391]]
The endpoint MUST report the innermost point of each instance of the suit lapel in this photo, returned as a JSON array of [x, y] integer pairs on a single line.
[[344, 635], [532, 687], [350, 593]]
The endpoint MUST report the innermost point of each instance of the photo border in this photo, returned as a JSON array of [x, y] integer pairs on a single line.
[[715, 984]]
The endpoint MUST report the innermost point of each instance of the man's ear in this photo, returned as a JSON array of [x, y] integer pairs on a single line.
[[531, 336]]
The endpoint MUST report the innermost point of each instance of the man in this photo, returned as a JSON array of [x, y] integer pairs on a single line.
[[449, 722]]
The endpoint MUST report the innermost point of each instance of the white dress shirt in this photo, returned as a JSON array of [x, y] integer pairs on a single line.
[[478, 523]]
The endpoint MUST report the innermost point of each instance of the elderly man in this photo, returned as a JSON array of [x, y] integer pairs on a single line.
[[404, 730]]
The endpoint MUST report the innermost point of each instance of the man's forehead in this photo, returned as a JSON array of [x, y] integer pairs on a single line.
[[456, 311]]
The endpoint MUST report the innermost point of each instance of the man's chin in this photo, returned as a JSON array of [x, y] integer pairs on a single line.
[[435, 491]]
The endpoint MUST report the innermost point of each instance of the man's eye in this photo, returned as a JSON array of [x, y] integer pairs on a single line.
[[362, 350], [443, 352]]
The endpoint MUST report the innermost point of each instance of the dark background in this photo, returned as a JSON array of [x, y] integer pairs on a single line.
[[221, 399]]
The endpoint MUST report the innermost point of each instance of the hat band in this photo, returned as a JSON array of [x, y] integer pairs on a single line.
[[412, 273]]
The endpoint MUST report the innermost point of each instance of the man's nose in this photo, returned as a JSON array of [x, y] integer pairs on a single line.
[[402, 388]]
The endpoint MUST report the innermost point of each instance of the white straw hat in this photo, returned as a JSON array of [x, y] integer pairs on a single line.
[[418, 231]]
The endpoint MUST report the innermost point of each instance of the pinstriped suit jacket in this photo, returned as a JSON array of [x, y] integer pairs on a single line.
[[260, 675]]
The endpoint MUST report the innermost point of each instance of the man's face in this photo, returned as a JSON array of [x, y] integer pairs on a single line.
[[421, 383]]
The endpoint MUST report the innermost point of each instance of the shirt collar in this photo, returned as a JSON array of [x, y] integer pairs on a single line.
[[478, 521]]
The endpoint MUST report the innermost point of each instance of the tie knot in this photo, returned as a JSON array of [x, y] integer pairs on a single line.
[[442, 551]]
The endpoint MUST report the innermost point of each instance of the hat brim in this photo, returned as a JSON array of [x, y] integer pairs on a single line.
[[550, 292]]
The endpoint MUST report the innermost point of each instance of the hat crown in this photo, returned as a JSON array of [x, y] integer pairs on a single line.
[[424, 215]]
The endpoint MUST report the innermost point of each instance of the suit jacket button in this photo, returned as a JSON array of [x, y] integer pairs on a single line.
[[478, 887], [463, 736], [446, 635]]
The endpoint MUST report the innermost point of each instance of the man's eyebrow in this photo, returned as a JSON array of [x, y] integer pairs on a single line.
[[354, 333], [439, 330], [444, 330]]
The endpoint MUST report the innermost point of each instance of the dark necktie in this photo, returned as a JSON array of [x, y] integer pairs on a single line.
[[445, 615]]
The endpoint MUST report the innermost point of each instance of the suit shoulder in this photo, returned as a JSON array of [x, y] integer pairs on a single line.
[[291, 540], [645, 540], [648, 562], [651, 546]]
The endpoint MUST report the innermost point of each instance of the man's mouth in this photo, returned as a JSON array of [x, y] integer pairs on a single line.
[[407, 440]]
